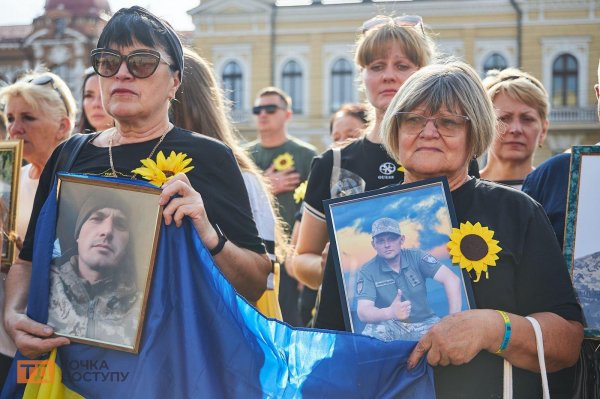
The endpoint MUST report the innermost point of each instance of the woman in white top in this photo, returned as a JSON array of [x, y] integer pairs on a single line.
[[200, 106], [40, 110]]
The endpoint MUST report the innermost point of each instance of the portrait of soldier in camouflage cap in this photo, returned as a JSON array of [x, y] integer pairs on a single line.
[[94, 293], [391, 287]]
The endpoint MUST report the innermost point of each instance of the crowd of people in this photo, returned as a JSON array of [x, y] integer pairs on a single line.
[[424, 117]]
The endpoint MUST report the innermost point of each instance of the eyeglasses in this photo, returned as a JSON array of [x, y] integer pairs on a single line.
[[269, 109], [140, 63], [47, 79], [446, 125], [403, 20]]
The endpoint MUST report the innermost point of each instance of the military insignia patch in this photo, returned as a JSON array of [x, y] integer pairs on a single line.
[[429, 259], [359, 286]]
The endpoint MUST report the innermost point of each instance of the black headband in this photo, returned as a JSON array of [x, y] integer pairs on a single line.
[[169, 33]]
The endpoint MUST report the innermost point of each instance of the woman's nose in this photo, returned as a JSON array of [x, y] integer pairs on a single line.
[[15, 128]]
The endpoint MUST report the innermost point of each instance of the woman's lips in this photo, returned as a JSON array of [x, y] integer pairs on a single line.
[[122, 91]]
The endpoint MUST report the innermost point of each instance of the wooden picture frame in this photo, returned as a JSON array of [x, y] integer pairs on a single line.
[[11, 156], [106, 240], [581, 246], [359, 226]]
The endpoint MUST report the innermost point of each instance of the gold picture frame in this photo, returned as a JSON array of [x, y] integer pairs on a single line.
[[103, 258], [11, 157]]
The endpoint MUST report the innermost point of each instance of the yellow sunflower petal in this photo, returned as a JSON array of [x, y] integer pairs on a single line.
[[463, 260]]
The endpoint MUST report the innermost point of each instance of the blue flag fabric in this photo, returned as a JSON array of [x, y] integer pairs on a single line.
[[201, 339]]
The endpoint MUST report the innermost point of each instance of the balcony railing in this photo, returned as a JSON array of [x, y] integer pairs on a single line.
[[579, 115]]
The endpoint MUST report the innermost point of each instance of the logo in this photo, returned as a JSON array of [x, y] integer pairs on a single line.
[[35, 371], [387, 168]]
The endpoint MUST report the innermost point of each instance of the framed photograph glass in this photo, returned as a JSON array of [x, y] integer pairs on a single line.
[[581, 246], [11, 153], [103, 258], [394, 270]]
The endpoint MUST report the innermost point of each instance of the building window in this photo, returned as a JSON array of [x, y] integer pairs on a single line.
[[233, 84], [291, 83], [341, 83], [494, 61], [564, 81]]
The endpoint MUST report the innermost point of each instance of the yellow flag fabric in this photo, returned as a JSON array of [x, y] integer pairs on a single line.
[[268, 303], [46, 382]]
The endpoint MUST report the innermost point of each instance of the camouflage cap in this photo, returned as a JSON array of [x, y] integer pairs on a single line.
[[385, 225]]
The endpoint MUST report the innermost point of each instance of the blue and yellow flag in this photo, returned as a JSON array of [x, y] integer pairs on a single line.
[[201, 339]]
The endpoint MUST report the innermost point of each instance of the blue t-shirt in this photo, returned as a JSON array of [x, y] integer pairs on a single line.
[[549, 185]]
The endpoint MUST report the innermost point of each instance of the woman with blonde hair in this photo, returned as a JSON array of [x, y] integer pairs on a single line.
[[521, 104], [40, 110], [200, 106], [388, 51]]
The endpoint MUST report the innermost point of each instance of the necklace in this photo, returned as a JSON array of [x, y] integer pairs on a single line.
[[110, 156]]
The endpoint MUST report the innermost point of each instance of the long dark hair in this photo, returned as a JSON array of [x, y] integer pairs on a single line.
[[83, 124]]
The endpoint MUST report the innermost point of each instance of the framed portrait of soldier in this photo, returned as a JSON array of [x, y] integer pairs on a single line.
[[102, 262], [581, 246], [11, 153], [394, 270]]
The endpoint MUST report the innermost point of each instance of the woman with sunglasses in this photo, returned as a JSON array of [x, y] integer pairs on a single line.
[[437, 122], [521, 104], [388, 51], [93, 117], [140, 62], [40, 111]]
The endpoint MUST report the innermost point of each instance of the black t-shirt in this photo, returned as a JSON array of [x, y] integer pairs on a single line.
[[366, 166], [530, 276], [216, 176]]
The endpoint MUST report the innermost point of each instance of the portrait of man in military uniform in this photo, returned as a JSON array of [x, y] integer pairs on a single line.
[[391, 291], [93, 290]]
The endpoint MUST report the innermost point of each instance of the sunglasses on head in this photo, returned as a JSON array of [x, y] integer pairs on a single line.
[[403, 20], [140, 63], [47, 79], [269, 109]]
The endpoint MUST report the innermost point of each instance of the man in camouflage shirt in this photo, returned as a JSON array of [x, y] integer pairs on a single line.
[[94, 294]]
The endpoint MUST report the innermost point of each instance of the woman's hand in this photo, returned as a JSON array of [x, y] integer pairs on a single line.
[[187, 203], [32, 338], [456, 339]]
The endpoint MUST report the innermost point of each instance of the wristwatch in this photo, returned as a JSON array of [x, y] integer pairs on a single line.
[[221, 243]]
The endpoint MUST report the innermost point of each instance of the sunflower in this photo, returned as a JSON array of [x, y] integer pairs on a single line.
[[401, 168], [164, 168], [284, 161], [300, 192], [472, 247]]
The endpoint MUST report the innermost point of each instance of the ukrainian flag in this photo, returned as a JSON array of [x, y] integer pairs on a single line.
[[201, 339]]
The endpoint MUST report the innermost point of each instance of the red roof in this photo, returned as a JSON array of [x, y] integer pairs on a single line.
[[80, 8]]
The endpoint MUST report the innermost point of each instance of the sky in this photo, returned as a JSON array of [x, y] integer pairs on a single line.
[[23, 11]]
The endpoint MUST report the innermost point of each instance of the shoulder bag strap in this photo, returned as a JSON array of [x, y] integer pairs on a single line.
[[336, 168], [508, 386], [70, 151]]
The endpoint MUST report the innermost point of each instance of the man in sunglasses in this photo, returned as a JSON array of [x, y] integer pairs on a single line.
[[286, 162]]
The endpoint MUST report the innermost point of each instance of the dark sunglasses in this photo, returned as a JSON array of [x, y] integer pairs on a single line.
[[47, 79], [140, 63], [269, 109]]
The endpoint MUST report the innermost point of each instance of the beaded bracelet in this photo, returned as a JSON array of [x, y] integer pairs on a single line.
[[507, 331]]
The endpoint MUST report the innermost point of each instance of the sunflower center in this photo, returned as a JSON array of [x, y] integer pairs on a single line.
[[168, 173], [473, 247]]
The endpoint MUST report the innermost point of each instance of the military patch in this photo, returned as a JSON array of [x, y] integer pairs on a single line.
[[429, 259], [359, 286]]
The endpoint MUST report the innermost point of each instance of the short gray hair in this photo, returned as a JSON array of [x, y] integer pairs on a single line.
[[454, 85]]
